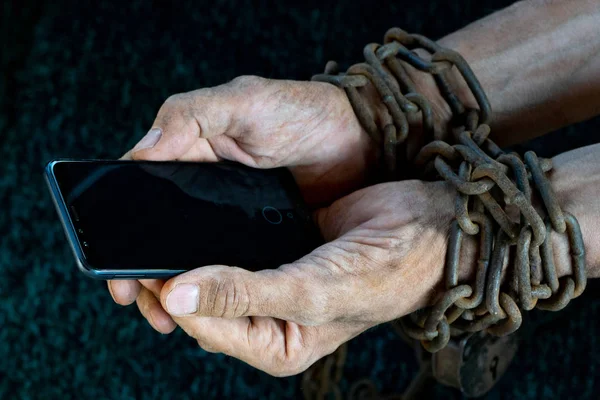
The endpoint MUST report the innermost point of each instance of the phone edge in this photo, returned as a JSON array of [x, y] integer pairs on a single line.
[[73, 240], [67, 224]]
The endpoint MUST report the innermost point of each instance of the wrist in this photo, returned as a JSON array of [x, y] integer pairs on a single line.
[[441, 215], [575, 179], [429, 88]]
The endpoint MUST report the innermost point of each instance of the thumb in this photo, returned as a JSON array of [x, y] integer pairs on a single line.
[[185, 120], [290, 293]]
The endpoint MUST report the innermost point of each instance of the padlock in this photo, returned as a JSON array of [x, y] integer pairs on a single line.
[[475, 362]]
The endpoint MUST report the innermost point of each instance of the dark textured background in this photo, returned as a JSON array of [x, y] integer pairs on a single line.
[[84, 79]]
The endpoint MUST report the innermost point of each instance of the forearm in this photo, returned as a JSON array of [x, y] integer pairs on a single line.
[[575, 178], [539, 63], [576, 182]]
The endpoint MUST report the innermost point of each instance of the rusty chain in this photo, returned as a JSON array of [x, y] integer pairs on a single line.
[[489, 184]]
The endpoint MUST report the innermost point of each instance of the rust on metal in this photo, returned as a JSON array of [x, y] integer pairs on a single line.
[[494, 204], [546, 192], [485, 251]]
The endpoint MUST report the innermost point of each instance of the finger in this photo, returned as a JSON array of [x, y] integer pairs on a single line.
[[153, 312], [295, 292], [277, 347], [124, 292], [153, 285], [185, 120], [271, 345]]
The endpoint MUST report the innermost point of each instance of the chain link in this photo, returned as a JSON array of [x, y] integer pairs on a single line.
[[491, 187]]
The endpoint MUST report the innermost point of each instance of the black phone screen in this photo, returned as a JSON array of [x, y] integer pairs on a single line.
[[180, 216]]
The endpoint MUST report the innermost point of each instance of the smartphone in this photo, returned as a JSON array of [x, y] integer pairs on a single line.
[[132, 219]]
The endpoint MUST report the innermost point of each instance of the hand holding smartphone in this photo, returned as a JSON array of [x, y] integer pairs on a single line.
[[133, 220]]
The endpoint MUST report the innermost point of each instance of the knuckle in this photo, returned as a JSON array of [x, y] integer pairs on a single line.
[[248, 81], [174, 107], [175, 100], [193, 108], [226, 297], [182, 104]]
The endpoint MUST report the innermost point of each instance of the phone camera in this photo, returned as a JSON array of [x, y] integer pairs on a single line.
[[272, 215]]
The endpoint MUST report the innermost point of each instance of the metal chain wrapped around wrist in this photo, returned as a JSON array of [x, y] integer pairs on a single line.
[[487, 181]]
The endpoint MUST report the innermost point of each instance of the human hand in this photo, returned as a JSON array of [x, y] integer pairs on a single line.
[[384, 258], [309, 127]]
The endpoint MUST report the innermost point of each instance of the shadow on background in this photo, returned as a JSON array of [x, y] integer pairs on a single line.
[[85, 79]]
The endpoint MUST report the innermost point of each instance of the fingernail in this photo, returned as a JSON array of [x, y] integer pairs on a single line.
[[183, 299], [148, 141]]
